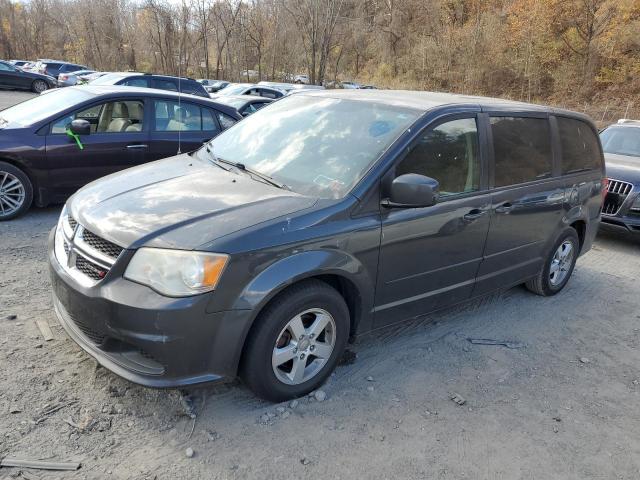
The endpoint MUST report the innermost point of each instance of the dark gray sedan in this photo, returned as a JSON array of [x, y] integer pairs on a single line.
[[12, 77], [621, 145]]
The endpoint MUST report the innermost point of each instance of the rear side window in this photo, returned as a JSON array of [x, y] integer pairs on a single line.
[[135, 82], [173, 117], [166, 85], [522, 149], [225, 120], [580, 150]]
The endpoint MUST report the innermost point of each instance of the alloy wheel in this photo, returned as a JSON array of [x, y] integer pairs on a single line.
[[39, 86], [304, 346], [561, 263], [12, 194]]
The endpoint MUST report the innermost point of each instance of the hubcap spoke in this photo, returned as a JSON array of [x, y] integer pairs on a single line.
[[12, 193], [561, 263], [297, 372], [283, 355], [318, 325], [322, 350], [297, 328]]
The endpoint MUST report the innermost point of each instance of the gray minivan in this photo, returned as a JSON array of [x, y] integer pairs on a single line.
[[325, 215]]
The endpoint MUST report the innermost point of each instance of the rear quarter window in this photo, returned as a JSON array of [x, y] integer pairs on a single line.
[[522, 149], [580, 149]]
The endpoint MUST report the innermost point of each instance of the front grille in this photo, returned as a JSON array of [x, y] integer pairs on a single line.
[[72, 223], [101, 245], [90, 269], [617, 193]]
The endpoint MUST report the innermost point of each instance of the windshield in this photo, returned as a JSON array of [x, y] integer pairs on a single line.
[[43, 106], [621, 141], [108, 79], [232, 90], [317, 146]]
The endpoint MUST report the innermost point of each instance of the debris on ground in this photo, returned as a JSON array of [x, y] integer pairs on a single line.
[[189, 452], [370, 378], [15, 409], [45, 330], [320, 395], [38, 464], [305, 461], [51, 410], [280, 410], [293, 404], [187, 403], [584, 360], [490, 341], [457, 398], [11, 317]]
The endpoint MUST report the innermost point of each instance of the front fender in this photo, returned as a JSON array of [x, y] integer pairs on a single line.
[[292, 269]]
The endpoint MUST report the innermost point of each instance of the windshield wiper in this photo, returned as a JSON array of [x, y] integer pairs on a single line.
[[241, 166]]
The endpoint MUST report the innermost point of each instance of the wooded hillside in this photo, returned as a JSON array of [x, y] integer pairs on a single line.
[[557, 51]]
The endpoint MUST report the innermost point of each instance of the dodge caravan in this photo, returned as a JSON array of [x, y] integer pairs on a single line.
[[326, 215]]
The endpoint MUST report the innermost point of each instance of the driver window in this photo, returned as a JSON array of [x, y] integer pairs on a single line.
[[447, 153], [5, 67], [111, 117]]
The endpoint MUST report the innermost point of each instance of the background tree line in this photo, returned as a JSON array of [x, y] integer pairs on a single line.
[[559, 51]]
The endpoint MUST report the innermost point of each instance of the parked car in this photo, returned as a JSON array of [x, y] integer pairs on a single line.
[[289, 87], [212, 86], [13, 77], [244, 104], [76, 78], [621, 145], [116, 127], [301, 79], [325, 215], [54, 68], [148, 80], [236, 89]]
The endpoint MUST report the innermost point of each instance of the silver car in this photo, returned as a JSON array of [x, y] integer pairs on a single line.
[[76, 78]]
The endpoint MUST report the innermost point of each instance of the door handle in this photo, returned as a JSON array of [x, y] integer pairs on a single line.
[[505, 208], [474, 215], [137, 146]]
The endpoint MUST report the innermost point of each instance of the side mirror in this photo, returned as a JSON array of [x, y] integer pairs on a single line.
[[80, 127], [412, 191]]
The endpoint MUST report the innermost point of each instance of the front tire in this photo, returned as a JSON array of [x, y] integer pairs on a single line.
[[558, 266], [39, 86], [297, 342], [16, 192]]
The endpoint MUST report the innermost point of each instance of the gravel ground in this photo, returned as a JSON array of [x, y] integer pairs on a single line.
[[563, 406]]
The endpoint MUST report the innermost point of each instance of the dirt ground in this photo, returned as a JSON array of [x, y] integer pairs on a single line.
[[562, 406]]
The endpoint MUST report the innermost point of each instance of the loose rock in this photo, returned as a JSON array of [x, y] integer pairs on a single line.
[[305, 461], [584, 360], [293, 404], [320, 395], [11, 317], [189, 452], [280, 410], [370, 388], [370, 378]]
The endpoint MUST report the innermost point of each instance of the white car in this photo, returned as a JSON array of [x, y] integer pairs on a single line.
[[301, 79], [249, 89]]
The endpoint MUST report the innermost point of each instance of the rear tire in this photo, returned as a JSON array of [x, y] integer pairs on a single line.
[[289, 352], [39, 86], [16, 192], [558, 266]]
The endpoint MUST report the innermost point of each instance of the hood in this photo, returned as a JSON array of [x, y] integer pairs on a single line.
[[623, 167], [180, 202]]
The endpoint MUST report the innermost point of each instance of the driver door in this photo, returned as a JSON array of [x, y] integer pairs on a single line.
[[429, 256], [119, 139]]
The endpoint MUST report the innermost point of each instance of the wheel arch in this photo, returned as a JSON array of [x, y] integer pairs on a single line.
[[339, 270]]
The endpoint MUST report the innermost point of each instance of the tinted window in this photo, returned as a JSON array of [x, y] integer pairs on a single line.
[[449, 154], [166, 85], [580, 150], [110, 117], [225, 120], [621, 141], [522, 149], [135, 82], [183, 117], [6, 68]]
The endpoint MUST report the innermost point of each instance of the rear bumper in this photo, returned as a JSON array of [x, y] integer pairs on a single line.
[[145, 337]]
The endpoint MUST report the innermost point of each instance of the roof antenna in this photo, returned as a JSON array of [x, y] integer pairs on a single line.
[[181, 123]]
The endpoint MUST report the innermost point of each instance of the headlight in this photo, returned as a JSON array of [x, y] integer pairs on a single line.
[[176, 273]]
